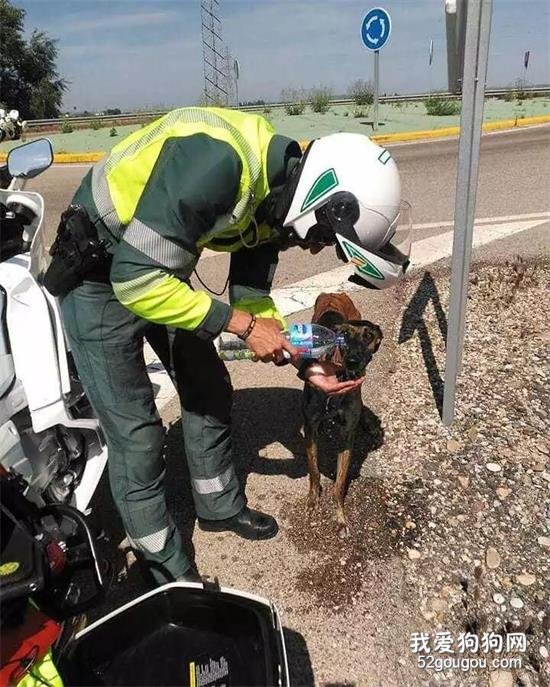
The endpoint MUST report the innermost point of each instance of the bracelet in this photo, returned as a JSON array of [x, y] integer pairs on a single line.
[[248, 331]]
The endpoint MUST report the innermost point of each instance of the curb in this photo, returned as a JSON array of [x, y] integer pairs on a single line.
[[455, 130], [447, 132], [68, 158]]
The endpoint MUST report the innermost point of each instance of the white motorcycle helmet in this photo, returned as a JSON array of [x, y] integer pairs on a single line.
[[346, 191]]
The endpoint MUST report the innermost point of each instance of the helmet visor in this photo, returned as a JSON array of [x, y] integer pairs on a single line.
[[398, 248], [397, 244], [385, 265]]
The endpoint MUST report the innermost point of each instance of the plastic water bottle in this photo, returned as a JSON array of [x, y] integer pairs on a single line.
[[311, 341]]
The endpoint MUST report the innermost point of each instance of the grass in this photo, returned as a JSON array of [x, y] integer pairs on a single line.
[[360, 113]]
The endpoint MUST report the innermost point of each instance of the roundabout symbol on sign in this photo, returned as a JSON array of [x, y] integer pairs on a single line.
[[376, 28]]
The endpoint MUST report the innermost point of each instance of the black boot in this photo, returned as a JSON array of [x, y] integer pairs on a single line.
[[248, 524]]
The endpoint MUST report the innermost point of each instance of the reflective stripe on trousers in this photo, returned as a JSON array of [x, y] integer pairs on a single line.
[[151, 543], [214, 485]]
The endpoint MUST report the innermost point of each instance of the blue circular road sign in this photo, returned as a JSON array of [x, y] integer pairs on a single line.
[[376, 28]]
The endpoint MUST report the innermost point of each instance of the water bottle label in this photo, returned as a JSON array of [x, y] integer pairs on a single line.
[[230, 355], [301, 336]]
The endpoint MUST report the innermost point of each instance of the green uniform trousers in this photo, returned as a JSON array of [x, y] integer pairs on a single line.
[[107, 345]]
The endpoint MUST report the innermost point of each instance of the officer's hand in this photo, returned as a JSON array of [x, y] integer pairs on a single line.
[[322, 376], [267, 341]]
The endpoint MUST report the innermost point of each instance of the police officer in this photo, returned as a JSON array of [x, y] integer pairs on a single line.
[[219, 179]]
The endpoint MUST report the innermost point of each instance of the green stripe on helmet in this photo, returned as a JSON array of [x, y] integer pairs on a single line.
[[357, 257], [322, 185]]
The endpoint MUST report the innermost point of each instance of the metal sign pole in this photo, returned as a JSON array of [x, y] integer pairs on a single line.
[[237, 71], [376, 87], [478, 26], [375, 33], [430, 60], [479, 102]]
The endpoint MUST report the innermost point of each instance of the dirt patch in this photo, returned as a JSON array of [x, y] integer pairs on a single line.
[[383, 521]]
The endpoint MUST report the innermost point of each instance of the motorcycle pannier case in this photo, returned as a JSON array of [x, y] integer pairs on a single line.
[[186, 635]]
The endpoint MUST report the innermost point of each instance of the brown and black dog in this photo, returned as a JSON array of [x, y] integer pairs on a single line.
[[337, 312]]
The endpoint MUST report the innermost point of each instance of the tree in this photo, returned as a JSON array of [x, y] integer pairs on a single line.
[[29, 80]]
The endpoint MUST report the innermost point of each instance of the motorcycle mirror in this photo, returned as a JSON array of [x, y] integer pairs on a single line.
[[29, 160]]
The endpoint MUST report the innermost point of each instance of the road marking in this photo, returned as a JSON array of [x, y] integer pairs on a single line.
[[301, 295], [485, 220]]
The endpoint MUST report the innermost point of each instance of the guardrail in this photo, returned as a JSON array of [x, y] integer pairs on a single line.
[[137, 116]]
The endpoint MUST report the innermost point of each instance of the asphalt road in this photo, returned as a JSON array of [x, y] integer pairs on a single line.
[[514, 180]]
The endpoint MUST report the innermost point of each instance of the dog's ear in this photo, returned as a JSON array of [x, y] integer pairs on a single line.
[[373, 336]]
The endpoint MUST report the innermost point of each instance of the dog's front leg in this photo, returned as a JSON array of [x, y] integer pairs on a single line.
[[340, 489], [311, 434]]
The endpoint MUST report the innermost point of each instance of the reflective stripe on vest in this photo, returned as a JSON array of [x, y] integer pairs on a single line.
[[102, 200], [117, 193]]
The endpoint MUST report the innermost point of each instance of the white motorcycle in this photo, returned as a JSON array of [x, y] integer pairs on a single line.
[[48, 432], [11, 126]]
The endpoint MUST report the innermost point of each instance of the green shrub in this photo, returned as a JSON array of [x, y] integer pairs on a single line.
[[360, 113], [319, 99], [441, 107], [295, 108], [294, 101], [361, 92], [66, 128], [517, 91], [113, 132], [346, 114], [266, 110], [96, 124]]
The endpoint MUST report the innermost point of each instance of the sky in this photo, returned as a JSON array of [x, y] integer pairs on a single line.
[[148, 54]]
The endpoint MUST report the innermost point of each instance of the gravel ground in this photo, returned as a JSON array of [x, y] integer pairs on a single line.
[[477, 553], [450, 528]]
